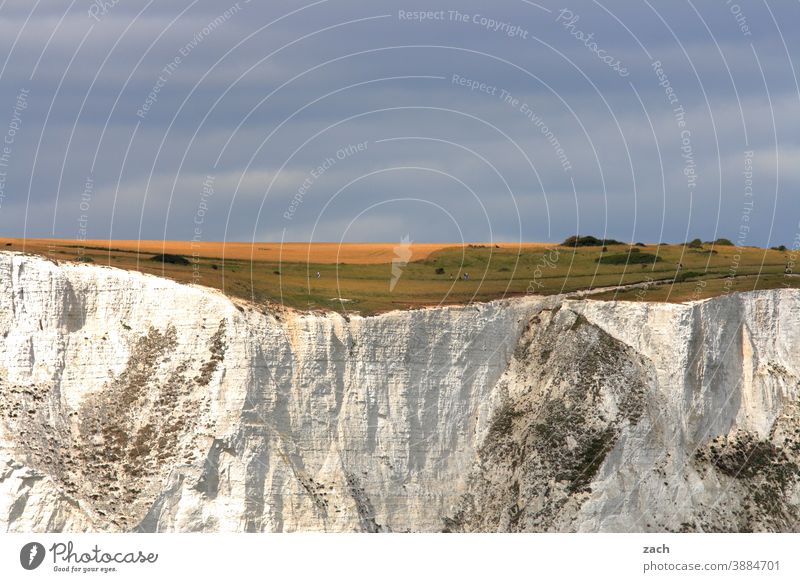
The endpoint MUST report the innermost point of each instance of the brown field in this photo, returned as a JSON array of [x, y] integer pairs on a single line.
[[361, 278], [317, 253]]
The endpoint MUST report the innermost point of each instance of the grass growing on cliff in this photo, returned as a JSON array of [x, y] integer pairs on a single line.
[[438, 276]]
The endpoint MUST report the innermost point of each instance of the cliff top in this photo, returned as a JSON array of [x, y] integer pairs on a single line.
[[375, 278]]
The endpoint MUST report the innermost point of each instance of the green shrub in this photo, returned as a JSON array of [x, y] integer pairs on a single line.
[[723, 242], [629, 259], [171, 259], [588, 241]]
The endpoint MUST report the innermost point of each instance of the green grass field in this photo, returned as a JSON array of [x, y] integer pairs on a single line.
[[494, 272]]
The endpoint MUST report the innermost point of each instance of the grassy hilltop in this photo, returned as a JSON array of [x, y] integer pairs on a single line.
[[373, 278]]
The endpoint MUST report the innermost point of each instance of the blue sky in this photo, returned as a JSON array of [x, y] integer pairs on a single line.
[[362, 121]]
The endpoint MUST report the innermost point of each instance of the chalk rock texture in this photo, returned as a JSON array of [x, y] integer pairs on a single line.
[[133, 403]]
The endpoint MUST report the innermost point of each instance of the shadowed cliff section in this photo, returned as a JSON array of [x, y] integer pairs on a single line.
[[548, 440], [111, 455]]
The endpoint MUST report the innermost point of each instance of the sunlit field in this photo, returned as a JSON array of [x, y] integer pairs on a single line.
[[374, 278]]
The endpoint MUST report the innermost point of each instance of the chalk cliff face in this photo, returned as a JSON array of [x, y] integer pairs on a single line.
[[133, 403]]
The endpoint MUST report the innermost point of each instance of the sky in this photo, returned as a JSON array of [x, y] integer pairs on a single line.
[[349, 121]]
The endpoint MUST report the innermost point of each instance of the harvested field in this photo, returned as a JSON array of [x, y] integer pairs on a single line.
[[374, 278], [322, 253]]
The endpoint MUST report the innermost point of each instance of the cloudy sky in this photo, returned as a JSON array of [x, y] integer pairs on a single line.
[[337, 120]]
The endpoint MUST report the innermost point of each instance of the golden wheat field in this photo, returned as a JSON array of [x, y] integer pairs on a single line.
[[369, 278]]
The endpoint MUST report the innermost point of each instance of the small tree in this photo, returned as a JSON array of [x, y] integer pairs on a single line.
[[696, 244]]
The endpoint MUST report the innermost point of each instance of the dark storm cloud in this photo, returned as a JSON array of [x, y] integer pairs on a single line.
[[129, 107]]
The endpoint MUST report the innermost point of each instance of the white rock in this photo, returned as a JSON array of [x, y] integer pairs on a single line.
[[129, 401]]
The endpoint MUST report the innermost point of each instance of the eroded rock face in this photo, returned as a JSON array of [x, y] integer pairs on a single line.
[[570, 393], [132, 403], [129, 402]]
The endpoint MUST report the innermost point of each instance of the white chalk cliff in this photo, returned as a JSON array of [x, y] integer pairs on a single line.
[[133, 403]]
